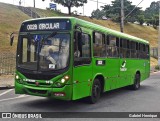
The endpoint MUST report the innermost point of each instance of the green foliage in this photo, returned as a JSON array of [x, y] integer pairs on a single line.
[[70, 3], [157, 67], [114, 10], [152, 14], [97, 14], [141, 19]]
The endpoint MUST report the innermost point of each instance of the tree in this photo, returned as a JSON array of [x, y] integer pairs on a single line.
[[152, 14], [114, 9], [70, 3], [141, 19], [97, 14]]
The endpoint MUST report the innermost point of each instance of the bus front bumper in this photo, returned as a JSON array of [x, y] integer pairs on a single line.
[[63, 93]]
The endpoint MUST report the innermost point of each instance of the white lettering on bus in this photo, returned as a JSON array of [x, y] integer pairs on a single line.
[[46, 26], [32, 27]]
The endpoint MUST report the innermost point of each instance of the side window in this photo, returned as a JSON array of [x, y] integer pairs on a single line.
[[128, 53], [147, 51], [141, 50], [123, 48], [112, 46], [133, 49], [99, 44], [137, 49], [86, 51], [82, 49]]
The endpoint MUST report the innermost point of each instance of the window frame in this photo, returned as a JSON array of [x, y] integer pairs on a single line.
[[108, 44], [80, 59], [103, 43]]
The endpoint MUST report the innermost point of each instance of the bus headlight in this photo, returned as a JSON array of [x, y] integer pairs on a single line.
[[18, 79], [61, 82]]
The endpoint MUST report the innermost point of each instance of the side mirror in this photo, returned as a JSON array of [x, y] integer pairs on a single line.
[[11, 39]]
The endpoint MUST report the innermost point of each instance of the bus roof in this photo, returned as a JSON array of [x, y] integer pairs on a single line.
[[96, 27]]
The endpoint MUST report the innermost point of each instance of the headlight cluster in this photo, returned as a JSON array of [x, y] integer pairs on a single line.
[[18, 79], [61, 82]]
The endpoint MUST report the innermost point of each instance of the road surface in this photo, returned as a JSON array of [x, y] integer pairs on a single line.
[[146, 99]]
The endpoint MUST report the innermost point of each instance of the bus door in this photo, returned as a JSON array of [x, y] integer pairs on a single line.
[[82, 69], [112, 63]]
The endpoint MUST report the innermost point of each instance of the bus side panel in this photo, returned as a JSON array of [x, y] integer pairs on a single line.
[[82, 76], [110, 71]]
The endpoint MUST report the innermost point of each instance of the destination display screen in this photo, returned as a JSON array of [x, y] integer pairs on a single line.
[[46, 25]]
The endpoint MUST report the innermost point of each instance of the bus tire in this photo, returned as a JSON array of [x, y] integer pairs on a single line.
[[136, 84], [96, 92]]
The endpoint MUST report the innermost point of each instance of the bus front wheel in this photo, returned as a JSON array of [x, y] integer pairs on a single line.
[[96, 92]]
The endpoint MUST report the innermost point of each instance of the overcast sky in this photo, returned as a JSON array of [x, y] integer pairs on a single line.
[[88, 8]]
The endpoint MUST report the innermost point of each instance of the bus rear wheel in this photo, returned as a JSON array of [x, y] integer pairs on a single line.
[[136, 84], [96, 92]]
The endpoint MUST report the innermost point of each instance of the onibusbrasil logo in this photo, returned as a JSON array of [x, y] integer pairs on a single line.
[[123, 66]]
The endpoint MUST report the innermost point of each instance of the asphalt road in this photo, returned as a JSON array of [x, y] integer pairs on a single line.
[[146, 99]]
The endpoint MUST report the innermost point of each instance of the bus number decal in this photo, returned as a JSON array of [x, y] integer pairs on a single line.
[[100, 62], [32, 27]]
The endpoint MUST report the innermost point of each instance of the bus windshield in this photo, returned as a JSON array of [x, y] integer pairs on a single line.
[[43, 52]]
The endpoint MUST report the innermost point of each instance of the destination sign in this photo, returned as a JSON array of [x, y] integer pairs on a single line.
[[44, 25]]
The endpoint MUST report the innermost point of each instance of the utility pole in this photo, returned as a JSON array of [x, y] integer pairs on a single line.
[[97, 4], [83, 9], [122, 16], [34, 3], [159, 37]]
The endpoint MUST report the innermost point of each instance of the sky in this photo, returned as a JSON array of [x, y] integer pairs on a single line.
[[88, 8]]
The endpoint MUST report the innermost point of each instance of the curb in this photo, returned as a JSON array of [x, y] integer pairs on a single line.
[[7, 87], [154, 72]]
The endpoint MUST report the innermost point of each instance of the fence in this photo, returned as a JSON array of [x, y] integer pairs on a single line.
[[7, 63]]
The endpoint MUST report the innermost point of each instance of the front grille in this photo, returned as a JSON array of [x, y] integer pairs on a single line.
[[38, 76], [40, 84], [38, 91], [41, 75]]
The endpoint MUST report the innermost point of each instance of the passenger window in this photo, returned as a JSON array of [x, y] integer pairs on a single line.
[[82, 49], [133, 49], [99, 44], [147, 51], [86, 52], [112, 46]]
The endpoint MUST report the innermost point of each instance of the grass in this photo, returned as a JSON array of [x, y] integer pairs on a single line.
[[11, 18]]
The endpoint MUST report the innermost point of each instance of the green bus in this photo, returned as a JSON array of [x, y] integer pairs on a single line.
[[68, 58]]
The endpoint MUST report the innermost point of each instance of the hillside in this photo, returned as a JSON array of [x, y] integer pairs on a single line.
[[11, 18]]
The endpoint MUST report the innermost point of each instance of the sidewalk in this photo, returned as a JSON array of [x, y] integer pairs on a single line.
[[6, 81]]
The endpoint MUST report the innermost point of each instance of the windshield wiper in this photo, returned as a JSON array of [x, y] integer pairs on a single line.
[[51, 35]]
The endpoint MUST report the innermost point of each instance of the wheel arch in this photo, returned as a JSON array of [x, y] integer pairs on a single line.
[[138, 72], [101, 78]]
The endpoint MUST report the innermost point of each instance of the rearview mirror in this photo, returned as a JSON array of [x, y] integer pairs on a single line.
[[11, 39]]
